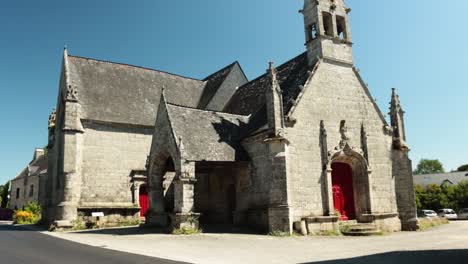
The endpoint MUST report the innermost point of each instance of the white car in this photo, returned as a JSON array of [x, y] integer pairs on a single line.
[[463, 214], [448, 213], [427, 213]]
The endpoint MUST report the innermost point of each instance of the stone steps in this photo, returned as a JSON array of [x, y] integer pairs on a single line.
[[361, 230]]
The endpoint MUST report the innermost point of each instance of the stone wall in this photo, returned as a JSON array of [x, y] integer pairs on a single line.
[[110, 153], [336, 93], [25, 196]]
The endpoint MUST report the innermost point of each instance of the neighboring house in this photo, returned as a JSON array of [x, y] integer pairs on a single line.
[[29, 185], [440, 179], [305, 142], [100, 134]]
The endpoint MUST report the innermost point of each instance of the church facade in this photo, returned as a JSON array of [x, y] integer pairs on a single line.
[[303, 146]]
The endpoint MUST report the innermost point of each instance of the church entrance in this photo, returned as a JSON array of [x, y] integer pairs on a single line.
[[143, 199], [343, 191]]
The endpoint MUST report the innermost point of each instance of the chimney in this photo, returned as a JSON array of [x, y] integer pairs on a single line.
[[38, 153]]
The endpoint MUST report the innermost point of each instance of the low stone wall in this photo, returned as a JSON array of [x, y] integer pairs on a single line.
[[317, 225], [112, 216]]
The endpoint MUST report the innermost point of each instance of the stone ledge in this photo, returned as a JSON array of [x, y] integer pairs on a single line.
[[377, 216], [321, 219]]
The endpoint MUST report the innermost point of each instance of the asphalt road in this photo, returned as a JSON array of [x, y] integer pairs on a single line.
[[19, 245]]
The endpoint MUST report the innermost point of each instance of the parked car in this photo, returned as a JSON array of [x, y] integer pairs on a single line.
[[427, 213], [447, 213], [463, 214]]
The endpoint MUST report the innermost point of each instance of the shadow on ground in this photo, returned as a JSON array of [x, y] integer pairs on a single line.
[[136, 230], [407, 257]]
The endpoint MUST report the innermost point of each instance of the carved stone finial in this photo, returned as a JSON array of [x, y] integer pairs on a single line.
[[52, 119], [181, 146], [72, 94], [397, 122], [274, 103]]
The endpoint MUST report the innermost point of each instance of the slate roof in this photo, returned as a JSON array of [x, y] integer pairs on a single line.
[[208, 135], [123, 93], [250, 99], [36, 167], [213, 82], [439, 179]]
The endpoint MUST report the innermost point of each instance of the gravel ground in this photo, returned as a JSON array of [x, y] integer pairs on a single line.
[[448, 243]]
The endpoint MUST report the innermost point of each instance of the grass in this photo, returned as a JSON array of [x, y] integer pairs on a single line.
[[428, 223], [187, 231]]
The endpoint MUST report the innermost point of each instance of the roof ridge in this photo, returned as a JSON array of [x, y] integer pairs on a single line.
[[205, 110], [136, 66], [220, 70]]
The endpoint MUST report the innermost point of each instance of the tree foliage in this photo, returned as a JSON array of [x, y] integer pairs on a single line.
[[427, 166], [4, 195], [463, 168], [437, 197]]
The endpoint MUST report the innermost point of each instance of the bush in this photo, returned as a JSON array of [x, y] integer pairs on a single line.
[[23, 217], [30, 215]]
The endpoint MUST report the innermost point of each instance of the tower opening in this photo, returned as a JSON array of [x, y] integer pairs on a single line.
[[327, 23], [341, 27], [312, 32]]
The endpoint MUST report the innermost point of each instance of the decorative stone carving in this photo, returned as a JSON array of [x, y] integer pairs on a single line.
[[344, 134], [52, 119], [323, 145], [72, 94], [364, 142]]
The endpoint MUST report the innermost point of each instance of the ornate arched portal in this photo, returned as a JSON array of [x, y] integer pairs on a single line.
[[349, 188]]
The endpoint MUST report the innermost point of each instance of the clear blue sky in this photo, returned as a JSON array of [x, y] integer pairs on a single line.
[[418, 46]]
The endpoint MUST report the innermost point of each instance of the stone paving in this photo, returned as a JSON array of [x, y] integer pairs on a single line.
[[434, 245]]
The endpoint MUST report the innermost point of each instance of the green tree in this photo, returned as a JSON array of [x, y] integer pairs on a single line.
[[463, 168], [427, 166], [4, 195]]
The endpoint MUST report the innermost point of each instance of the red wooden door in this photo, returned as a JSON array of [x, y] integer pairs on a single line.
[[143, 200], [343, 191]]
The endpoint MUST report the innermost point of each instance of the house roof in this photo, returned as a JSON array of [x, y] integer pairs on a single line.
[[292, 75], [207, 135], [36, 167], [439, 179]]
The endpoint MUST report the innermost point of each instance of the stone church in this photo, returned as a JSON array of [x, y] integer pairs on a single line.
[[303, 146]]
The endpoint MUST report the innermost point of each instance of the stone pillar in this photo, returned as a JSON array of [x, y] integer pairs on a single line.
[[330, 208], [404, 188], [184, 192], [156, 215], [279, 217], [72, 160]]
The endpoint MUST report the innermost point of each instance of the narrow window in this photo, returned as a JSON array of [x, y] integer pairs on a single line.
[[17, 193], [327, 23], [341, 27], [312, 32], [31, 191]]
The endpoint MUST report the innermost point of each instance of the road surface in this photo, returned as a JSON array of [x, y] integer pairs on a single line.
[[19, 245]]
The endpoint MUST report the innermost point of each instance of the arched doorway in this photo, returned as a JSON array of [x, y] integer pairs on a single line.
[[343, 190], [143, 199]]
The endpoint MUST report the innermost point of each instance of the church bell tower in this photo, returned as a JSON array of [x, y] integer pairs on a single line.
[[328, 32]]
